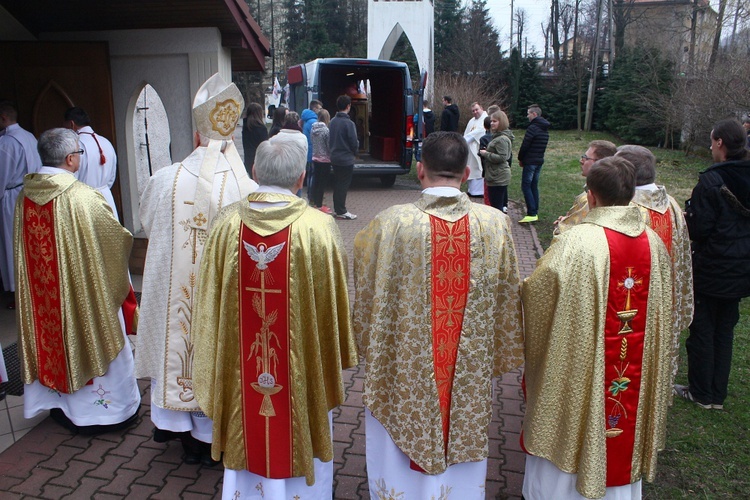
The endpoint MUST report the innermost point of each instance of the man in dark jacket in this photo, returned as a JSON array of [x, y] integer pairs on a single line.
[[718, 220], [343, 145], [449, 118], [531, 158]]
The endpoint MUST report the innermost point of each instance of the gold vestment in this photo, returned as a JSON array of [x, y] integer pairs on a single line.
[[92, 261], [321, 340], [682, 267], [565, 303], [393, 323], [575, 215]]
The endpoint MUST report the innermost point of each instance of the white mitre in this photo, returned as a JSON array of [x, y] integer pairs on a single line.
[[216, 110], [217, 107]]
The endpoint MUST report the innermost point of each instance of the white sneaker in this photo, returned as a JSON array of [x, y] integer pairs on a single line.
[[505, 210], [346, 216]]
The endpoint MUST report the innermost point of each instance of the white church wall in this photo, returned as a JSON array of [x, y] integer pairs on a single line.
[[175, 62], [386, 21]]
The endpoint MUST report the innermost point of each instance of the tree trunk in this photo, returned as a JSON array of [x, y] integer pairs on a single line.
[[555, 27], [693, 27], [717, 36]]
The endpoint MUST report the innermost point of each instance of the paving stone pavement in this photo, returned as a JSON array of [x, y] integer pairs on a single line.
[[50, 462]]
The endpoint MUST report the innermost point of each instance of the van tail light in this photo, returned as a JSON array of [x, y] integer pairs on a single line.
[[409, 130]]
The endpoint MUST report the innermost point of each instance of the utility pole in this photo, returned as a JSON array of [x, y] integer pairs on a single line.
[[594, 69], [511, 24]]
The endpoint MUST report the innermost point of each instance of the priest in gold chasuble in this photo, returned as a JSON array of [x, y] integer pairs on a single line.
[[176, 211], [664, 215], [598, 367], [76, 359], [272, 333], [437, 315]]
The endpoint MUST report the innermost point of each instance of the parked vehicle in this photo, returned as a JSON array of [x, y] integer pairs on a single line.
[[382, 108]]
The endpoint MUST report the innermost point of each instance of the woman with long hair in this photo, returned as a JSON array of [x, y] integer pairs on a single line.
[[321, 160], [254, 132], [279, 114], [496, 158]]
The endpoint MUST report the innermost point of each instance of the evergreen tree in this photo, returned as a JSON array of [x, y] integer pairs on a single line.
[[448, 15], [480, 47], [640, 78], [525, 83]]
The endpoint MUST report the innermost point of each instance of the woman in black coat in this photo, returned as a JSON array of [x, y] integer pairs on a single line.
[[254, 132]]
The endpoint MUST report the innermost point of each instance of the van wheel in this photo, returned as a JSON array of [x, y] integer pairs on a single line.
[[388, 180]]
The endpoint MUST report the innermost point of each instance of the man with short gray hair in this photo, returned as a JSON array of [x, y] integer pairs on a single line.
[[272, 333], [77, 361]]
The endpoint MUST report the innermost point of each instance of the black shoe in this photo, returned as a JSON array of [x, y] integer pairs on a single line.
[[162, 436], [206, 458], [59, 416], [192, 447], [94, 430]]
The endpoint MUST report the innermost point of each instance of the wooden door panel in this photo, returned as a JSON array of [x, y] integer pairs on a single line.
[[45, 78]]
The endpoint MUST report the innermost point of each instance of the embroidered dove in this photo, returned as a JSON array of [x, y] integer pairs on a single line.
[[263, 256]]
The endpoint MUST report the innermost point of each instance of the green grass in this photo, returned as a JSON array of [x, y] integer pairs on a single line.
[[561, 181], [707, 453]]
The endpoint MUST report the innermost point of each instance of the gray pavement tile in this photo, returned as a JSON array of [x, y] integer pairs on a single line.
[[72, 475], [122, 481]]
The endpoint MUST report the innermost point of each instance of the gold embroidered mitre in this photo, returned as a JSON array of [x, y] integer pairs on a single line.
[[217, 107]]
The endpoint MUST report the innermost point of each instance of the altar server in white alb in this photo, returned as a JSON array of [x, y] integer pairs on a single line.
[[474, 131], [177, 208], [18, 157], [99, 160]]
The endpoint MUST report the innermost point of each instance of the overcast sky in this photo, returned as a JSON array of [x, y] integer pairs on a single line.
[[537, 12]]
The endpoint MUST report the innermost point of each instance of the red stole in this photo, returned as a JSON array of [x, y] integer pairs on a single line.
[[624, 331], [128, 311], [662, 225], [451, 258], [264, 352], [102, 158], [44, 281]]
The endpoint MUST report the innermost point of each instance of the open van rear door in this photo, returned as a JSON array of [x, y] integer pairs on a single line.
[[419, 116]]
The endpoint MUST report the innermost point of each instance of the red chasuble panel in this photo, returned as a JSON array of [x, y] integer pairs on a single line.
[[264, 351], [629, 273], [662, 225], [44, 281], [451, 257], [450, 288]]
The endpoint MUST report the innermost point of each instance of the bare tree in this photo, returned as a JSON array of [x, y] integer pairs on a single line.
[[717, 36], [520, 15], [554, 22]]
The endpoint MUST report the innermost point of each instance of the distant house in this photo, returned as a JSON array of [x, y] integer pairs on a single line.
[[663, 24], [101, 55], [667, 25]]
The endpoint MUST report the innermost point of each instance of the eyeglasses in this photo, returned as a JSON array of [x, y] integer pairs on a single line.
[[586, 158], [79, 152]]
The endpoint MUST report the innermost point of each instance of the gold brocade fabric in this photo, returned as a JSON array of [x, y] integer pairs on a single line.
[[92, 260], [565, 302], [575, 215], [321, 340], [392, 321], [682, 267]]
